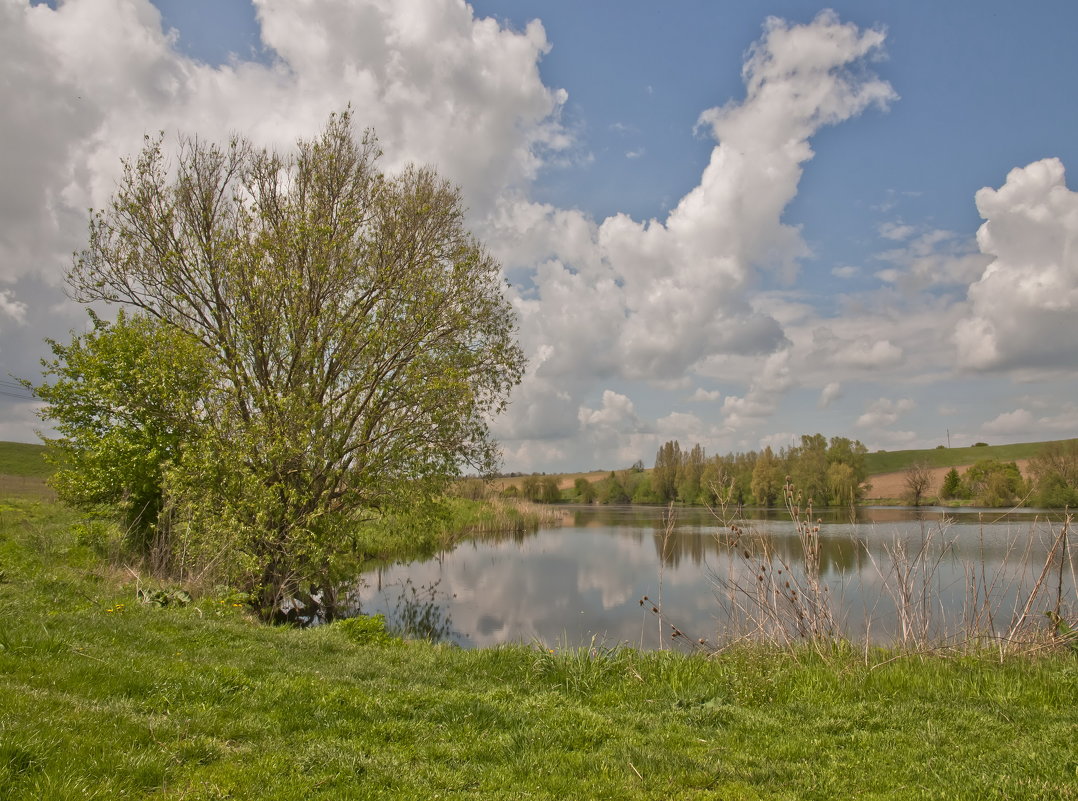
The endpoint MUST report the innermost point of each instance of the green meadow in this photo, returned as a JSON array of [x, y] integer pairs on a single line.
[[113, 685]]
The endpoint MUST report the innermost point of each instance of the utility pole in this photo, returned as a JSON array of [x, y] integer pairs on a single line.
[[948, 439]]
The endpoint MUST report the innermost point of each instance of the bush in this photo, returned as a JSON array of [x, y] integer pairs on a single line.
[[366, 630]]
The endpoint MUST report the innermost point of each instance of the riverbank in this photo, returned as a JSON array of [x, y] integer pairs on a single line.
[[104, 696]]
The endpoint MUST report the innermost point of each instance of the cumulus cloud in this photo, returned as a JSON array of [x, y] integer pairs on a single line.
[[884, 412], [702, 395], [656, 299], [1017, 421], [1023, 310], [615, 300], [829, 394]]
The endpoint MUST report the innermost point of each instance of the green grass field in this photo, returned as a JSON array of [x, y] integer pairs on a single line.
[[23, 459], [892, 461], [23, 471], [104, 697]]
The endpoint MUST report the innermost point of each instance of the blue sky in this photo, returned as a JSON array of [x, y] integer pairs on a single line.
[[837, 268]]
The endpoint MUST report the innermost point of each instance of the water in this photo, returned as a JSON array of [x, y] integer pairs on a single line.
[[949, 572]]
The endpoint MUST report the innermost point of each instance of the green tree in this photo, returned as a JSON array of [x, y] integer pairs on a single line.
[[767, 478], [585, 490], [612, 490], [952, 484], [691, 475], [843, 484], [548, 490], [808, 468], [124, 398], [665, 475], [359, 336], [1055, 474], [991, 482]]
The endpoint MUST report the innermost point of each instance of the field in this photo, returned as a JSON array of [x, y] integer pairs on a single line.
[[23, 470], [895, 461], [108, 693]]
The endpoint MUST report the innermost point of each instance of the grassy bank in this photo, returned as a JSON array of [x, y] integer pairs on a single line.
[[102, 696]]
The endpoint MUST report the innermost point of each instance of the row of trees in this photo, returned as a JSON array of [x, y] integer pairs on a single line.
[[829, 472], [309, 342]]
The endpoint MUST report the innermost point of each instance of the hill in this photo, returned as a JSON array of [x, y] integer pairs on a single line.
[[894, 461], [23, 470]]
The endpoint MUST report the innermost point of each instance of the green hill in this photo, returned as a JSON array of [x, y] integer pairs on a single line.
[[892, 461], [23, 471], [23, 459]]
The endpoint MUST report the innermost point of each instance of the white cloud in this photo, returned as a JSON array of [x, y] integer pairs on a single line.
[[613, 300], [1014, 422], [1023, 311], [829, 394], [896, 231], [932, 260], [702, 395], [671, 293], [12, 308], [845, 271], [884, 412]]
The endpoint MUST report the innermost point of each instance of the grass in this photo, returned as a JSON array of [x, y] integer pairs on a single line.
[[23, 471], [104, 697], [893, 461], [24, 459]]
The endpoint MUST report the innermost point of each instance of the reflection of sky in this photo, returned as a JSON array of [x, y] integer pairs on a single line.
[[568, 585]]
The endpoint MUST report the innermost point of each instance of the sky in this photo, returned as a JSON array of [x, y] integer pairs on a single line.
[[722, 223]]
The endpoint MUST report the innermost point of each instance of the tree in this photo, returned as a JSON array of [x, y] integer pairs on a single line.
[[665, 475], [359, 336], [585, 490], [124, 398], [994, 483], [918, 481], [1055, 474], [808, 468], [548, 490], [952, 484], [767, 477], [843, 484]]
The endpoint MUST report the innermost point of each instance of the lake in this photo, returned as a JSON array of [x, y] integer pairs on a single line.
[[888, 574]]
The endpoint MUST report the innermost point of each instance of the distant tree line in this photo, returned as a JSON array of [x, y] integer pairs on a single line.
[[829, 472]]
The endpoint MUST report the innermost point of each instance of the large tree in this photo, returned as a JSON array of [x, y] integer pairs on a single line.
[[360, 336]]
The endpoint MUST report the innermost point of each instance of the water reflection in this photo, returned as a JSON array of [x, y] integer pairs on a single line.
[[572, 583]]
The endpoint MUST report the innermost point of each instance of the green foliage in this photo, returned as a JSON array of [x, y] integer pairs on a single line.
[[366, 630], [357, 336], [1055, 474], [952, 485], [585, 490], [991, 482], [125, 398], [665, 474], [768, 478], [548, 490]]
